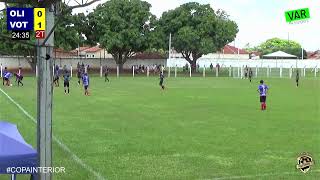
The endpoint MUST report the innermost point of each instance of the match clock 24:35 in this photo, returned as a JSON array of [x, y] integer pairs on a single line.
[[20, 35]]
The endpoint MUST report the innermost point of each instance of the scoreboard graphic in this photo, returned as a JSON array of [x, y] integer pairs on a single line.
[[21, 21]]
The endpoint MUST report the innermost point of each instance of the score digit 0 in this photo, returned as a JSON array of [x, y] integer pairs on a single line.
[[39, 22]]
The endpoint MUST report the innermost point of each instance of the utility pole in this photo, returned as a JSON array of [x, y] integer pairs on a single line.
[[169, 46], [45, 90]]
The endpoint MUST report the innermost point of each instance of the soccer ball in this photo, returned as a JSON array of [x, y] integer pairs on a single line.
[[10, 84]]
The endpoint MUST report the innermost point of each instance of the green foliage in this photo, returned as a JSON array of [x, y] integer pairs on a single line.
[[68, 32], [156, 37], [277, 44], [121, 26], [249, 49], [198, 30], [82, 25], [161, 52]]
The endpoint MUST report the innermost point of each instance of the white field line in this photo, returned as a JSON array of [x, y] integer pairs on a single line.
[[62, 146]]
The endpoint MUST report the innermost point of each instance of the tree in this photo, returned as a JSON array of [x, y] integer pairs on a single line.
[[277, 44], [157, 38], [249, 49], [87, 27], [198, 30], [67, 34], [122, 27], [85, 32]]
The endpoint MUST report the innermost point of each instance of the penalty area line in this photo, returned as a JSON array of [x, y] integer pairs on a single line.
[[60, 144]]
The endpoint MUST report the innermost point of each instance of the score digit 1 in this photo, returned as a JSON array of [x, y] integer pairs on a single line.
[[40, 22]]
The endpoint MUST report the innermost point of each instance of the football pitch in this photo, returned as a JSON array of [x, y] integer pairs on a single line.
[[198, 128]]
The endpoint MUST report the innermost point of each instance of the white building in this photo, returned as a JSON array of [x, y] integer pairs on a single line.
[[92, 52], [228, 52]]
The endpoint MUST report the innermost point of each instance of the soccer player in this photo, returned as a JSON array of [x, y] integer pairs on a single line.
[[56, 76], [250, 74], [263, 89], [3, 74], [66, 80], [161, 80], [85, 82], [106, 73], [79, 75], [297, 78], [82, 71], [19, 77], [16, 74], [246, 72], [7, 77]]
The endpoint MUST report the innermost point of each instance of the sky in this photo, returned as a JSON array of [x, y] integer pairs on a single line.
[[258, 20]]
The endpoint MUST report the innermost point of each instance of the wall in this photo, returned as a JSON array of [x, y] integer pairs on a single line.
[[273, 63], [99, 54], [16, 62], [227, 56], [217, 56]]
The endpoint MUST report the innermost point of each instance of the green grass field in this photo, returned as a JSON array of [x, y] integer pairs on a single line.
[[198, 128]]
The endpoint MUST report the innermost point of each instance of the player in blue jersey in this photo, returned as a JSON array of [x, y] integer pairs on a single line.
[[7, 77], [3, 74], [85, 82], [161, 80], [66, 81], [263, 90]]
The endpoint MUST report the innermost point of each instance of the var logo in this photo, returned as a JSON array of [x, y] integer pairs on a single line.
[[20, 19], [297, 15]]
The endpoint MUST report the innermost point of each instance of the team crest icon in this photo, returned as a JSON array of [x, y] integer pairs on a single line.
[[304, 162]]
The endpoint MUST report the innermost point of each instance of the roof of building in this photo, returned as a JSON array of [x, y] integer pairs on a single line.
[[59, 50], [314, 55], [148, 55], [92, 49], [81, 49], [228, 49], [61, 53], [280, 54]]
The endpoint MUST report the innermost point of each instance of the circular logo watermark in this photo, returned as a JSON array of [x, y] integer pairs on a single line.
[[305, 162]]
